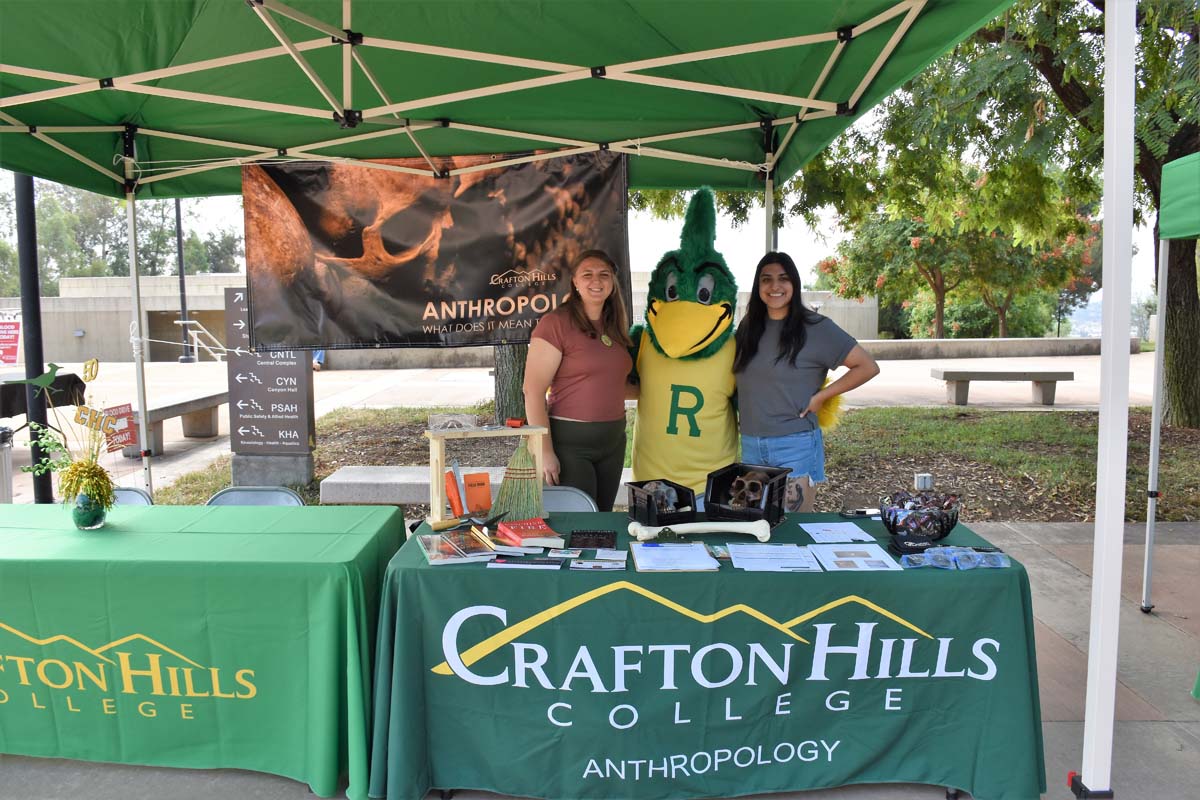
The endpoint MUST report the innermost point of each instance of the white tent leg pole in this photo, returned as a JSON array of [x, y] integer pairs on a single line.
[[1164, 247], [137, 340], [1119, 43], [769, 207]]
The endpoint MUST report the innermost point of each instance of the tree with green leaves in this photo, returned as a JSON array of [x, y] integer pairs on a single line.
[[1023, 99], [893, 259]]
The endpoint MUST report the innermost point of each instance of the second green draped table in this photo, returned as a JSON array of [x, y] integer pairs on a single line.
[[194, 637]]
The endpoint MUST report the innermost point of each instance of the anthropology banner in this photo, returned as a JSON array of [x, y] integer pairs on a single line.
[[345, 256]]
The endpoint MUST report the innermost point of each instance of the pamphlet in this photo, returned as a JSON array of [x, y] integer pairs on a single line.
[[853, 557], [448, 548], [571, 553], [656, 557], [773, 558], [504, 562], [598, 565], [834, 532], [608, 554]]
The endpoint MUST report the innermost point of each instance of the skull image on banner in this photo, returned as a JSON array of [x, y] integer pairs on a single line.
[[342, 255]]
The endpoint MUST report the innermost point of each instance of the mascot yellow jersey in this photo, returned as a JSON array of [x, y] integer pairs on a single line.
[[686, 425]]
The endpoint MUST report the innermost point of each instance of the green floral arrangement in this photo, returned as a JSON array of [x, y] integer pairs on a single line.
[[77, 474]]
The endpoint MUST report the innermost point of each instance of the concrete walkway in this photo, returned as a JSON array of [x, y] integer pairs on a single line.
[[900, 383], [1157, 737]]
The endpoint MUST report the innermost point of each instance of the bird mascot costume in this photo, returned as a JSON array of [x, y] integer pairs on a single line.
[[686, 424]]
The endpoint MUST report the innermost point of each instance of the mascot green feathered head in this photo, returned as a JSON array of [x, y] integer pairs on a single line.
[[689, 308]]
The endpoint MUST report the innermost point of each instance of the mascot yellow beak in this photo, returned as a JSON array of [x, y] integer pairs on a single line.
[[683, 327]]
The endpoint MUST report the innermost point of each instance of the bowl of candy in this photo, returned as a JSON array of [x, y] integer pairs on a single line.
[[929, 515]]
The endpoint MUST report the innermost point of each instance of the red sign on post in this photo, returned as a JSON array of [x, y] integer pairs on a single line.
[[125, 435], [10, 338]]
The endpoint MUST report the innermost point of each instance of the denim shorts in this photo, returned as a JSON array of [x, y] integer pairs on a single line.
[[804, 452]]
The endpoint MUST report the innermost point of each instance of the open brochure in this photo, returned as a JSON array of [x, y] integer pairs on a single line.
[[853, 557], [772, 557], [656, 557]]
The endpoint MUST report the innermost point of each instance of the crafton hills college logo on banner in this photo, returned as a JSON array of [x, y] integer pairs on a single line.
[[341, 255], [752, 681], [134, 675]]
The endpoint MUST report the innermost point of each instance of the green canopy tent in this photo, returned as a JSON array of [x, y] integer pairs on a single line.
[[144, 98], [1178, 218], [159, 99]]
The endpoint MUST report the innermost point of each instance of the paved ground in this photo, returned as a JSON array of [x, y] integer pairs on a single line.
[[1157, 735], [900, 383]]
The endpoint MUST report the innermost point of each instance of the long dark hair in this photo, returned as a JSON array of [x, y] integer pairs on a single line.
[[795, 325], [613, 320]]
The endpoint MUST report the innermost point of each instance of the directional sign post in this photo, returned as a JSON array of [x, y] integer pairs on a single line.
[[271, 421]]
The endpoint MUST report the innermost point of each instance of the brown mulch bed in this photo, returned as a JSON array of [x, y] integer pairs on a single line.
[[989, 493]]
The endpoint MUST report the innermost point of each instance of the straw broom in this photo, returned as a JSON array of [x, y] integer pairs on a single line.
[[520, 495]]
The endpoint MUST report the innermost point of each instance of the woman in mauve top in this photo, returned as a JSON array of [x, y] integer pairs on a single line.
[[784, 352], [579, 352]]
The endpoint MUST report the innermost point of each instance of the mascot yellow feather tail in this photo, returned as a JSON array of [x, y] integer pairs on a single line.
[[830, 414]]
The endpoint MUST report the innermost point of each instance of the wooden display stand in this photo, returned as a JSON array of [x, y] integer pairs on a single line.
[[437, 457]]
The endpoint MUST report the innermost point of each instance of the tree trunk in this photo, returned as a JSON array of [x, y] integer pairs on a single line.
[[1181, 339], [1002, 319], [510, 375], [939, 315]]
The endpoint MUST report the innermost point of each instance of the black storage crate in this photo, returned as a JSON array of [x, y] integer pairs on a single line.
[[770, 507], [643, 509]]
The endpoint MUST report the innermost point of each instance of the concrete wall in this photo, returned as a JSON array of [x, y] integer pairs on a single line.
[[91, 320]]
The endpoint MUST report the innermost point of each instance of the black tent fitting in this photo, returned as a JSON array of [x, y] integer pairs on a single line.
[[349, 118], [106, 83], [598, 72], [845, 34], [844, 109]]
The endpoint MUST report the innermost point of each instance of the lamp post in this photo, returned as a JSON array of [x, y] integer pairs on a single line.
[[188, 357]]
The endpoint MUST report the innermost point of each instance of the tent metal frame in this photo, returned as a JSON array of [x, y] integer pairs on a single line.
[[352, 44]]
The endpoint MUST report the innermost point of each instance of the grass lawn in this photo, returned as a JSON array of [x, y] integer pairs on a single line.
[[1009, 465]]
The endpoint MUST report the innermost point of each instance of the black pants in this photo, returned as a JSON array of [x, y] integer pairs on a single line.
[[590, 457]]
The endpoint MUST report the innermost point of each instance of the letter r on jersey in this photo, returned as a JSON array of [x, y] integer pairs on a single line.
[[689, 411]]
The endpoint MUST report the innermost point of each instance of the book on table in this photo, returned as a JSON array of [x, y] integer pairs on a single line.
[[484, 535], [453, 547], [529, 533]]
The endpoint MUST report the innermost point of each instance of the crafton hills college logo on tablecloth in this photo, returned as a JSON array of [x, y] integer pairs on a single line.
[[735, 670], [134, 675], [342, 256]]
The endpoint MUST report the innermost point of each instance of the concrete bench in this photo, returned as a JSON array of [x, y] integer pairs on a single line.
[[199, 416], [958, 382], [399, 485]]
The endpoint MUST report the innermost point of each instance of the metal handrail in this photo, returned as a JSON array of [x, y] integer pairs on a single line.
[[199, 341]]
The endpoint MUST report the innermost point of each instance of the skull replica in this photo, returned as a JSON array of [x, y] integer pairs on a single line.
[[665, 496], [746, 491]]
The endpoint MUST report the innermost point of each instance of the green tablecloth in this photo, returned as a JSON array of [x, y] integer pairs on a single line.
[[194, 637], [562, 684]]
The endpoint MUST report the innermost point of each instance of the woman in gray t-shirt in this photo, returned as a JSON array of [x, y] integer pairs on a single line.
[[784, 352]]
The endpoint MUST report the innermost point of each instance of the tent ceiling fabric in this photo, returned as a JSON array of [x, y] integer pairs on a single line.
[[509, 77], [1179, 210]]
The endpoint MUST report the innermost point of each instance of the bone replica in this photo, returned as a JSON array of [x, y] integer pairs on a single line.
[[759, 529]]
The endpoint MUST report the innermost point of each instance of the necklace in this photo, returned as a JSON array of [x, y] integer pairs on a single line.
[[604, 337]]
